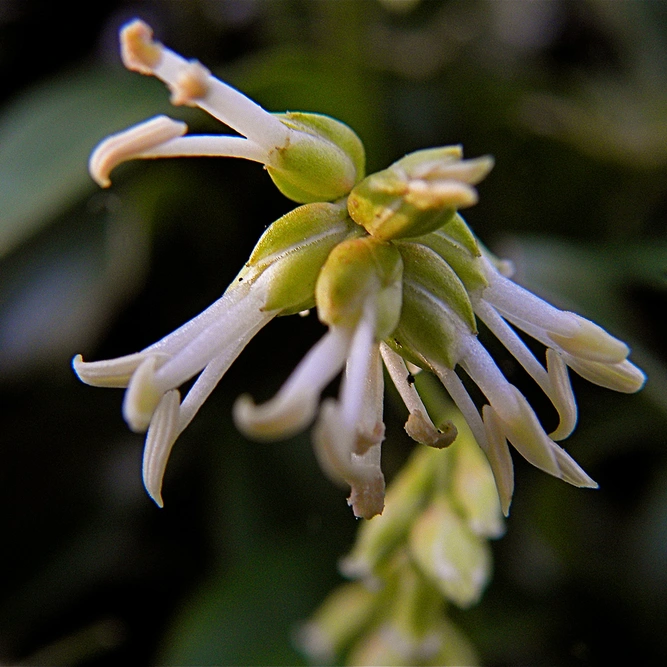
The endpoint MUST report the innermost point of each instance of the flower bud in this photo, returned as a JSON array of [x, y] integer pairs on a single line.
[[356, 270], [437, 316], [445, 548], [301, 240], [418, 194], [321, 161]]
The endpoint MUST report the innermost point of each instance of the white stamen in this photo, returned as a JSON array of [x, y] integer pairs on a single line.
[[220, 100]]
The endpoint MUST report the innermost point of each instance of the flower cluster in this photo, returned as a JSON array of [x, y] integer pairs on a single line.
[[394, 272], [429, 548]]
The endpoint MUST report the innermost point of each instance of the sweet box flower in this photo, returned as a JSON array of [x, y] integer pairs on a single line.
[[395, 274]]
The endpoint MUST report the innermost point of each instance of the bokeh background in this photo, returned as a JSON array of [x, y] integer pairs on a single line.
[[571, 99]]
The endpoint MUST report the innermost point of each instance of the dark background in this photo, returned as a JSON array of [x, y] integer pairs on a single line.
[[570, 99]]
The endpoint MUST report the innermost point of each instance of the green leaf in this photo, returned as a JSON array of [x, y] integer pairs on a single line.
[[47, 135]]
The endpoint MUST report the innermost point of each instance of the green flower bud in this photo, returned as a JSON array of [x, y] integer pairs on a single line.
[[450, 554], [437, 314], [322, 161], [457, 245], [301, 241], [473, 487], [418, 194], [343, 616], [356, 270]]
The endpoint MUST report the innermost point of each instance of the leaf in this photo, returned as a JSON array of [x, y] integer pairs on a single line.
[[47, 135]]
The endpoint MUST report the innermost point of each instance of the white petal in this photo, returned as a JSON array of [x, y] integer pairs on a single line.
[[624, 377], [554, 382], [130, 143], [419, 425], [349, 433], [227, 330], [160, 439], [499, 457], [295, 405], [464, 403], [142, 396], [111, 372], [561, 395], [591, 342], [519, 306]]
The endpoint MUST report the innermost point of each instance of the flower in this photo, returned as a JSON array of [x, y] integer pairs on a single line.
[[278, 279], [396, 276], [310, 157], [448, 282], [358, 295]]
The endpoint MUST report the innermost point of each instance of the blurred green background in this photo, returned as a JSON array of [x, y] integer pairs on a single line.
[[571, 99]]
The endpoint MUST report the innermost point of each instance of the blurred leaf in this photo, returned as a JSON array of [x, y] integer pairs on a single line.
[[47, 135]]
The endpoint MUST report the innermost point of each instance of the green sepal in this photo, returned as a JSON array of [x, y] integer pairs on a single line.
[[457, 245], [436, 315], [322, 169], [354, 271], [301, 241]]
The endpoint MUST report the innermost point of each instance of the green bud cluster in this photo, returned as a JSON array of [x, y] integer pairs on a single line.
[[429, 548], [396, 237]]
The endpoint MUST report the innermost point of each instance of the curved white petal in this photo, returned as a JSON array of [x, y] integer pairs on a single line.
[[295, 405], [160, 439], [419, 425], [499, 457]]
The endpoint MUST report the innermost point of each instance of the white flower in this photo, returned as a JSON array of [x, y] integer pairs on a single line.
[[206, 346], [310, 157], [438, 330], [279, 278], [359, 297]]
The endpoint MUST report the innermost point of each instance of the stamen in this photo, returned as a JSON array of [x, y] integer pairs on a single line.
[[130, 144], [190, 85], [207, 146], [137, 49]]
